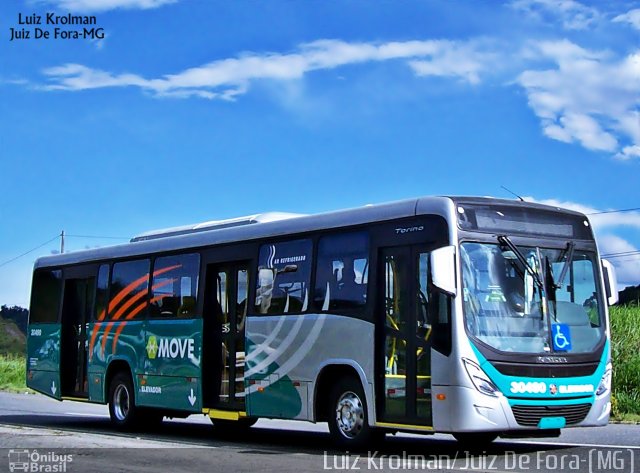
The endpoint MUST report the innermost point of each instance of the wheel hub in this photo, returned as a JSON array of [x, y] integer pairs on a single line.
[[121, 402], [350, 415]]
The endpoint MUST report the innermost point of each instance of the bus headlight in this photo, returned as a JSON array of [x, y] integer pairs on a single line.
[[480, 379], [605, 384]]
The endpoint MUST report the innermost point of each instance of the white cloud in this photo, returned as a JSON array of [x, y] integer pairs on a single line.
[[629, 152], [600, 221], [632, 17], [227, 78], [459, 60], [588, 97], [572, 14], [627, 267], [587, 131], [105, 5], [580, 95], [614, 244]]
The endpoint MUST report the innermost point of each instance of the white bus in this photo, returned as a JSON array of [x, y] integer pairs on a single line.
[[477, 317]]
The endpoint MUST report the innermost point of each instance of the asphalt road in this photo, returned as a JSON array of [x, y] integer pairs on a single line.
[[41, 434]]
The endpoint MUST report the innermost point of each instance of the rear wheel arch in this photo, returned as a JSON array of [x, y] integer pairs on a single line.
[[117, 366], [325, 380]]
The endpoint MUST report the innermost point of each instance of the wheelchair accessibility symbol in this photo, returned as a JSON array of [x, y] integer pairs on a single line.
[[561, 337]]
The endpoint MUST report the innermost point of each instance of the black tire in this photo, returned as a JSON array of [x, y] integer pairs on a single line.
[[348, 418], [122, 404], [475, 439]]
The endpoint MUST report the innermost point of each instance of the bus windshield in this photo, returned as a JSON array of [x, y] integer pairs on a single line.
[[549, 304]]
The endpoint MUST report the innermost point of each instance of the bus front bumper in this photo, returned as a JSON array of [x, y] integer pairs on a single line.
[[464, 409]]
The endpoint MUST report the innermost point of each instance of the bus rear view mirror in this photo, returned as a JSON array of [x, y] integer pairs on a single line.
[[443, 269], [290, 268], [610, 282]]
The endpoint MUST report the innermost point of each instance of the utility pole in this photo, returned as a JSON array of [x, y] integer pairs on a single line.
[[62, 242]]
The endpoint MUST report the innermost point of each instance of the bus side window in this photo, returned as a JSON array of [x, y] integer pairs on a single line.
[[129, 285], [102, 292], [284, 273], [174, 286], [45, 297], [342, 272]]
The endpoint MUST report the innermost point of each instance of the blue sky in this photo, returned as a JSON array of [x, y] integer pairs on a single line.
[[193, 110]]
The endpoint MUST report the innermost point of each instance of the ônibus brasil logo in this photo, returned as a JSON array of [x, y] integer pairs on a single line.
[[169, 347]]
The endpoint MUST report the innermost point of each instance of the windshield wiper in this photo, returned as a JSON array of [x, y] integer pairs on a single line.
[[504, 240], [567, 264]]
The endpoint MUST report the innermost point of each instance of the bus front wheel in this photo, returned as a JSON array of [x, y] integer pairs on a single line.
[[348, 419]]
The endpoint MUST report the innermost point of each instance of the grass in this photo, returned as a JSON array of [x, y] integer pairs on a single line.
[[12, 358], [12, 373], [625, 352]]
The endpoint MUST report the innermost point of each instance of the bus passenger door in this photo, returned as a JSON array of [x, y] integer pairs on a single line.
[[77, 303], [225, 312], [404, 392]]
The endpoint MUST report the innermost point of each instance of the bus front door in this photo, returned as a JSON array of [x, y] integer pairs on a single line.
[[76, 306], [404, 361], [225, 314]]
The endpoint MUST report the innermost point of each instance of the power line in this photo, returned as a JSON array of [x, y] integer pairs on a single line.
[[615, 211], [30, 251], [622, 255], [63, 234], [98, 236]]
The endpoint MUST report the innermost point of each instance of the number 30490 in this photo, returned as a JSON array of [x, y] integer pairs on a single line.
[[533, 387]]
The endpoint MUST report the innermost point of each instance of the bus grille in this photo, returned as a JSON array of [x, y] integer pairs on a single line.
[[531, 415]]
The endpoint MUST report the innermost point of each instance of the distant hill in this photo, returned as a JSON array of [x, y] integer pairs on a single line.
[[630, 296], [13, 330], [18, 315], [12, 340]]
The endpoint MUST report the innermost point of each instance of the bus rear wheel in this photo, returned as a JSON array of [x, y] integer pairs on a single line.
[[348, 419], [122, 405]]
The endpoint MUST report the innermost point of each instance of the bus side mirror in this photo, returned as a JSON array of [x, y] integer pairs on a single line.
[[443, 269], [290, 268], [610, 282]]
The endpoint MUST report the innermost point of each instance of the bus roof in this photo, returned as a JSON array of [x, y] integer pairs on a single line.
[[215, 225], [255, 228]]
